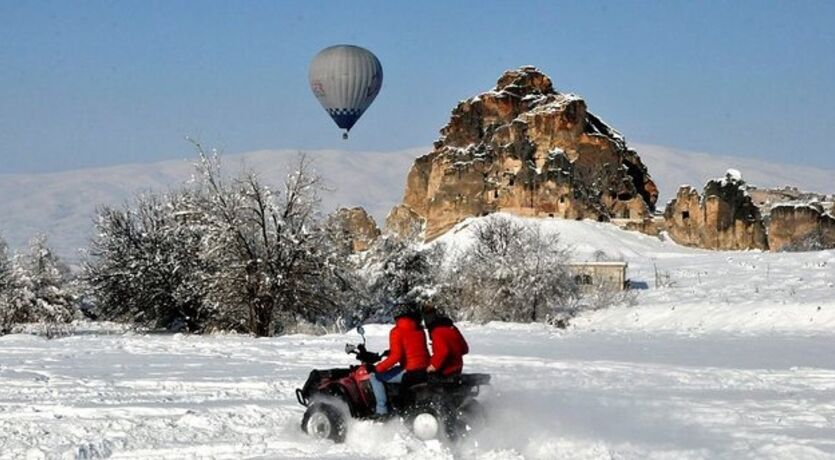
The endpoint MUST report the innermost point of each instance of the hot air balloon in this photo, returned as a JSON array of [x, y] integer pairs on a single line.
[[345, 79]]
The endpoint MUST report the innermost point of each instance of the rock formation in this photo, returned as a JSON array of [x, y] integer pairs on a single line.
[[723, 217], [527, 149], [767, 198], [801, 227], [404, 222], [356, 226]]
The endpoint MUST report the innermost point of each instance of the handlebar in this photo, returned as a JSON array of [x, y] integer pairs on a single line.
[[363, 355]]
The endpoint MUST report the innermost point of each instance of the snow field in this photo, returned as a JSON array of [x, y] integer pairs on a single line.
[[731, 359], [575, 394], [700, 291]]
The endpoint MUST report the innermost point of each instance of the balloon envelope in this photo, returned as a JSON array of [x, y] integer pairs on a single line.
[[345, 79]]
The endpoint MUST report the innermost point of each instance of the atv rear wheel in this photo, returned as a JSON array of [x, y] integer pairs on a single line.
[[324, 421], [470, 418]]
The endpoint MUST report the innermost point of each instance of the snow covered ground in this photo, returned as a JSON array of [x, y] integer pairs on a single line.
[[700, 291], [575, 394], [734, 359]]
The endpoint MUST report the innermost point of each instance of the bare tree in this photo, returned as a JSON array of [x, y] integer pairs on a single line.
[[268, 248], [511, 272], [221, 253]]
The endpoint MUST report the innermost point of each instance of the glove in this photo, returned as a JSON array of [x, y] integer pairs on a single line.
[[369, 368]]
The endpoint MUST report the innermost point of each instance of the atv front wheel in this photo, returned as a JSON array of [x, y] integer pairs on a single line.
[[324, 421], [426, 425]]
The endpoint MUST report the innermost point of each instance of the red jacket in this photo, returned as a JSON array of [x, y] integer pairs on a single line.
[[448, 349], [407, 347]]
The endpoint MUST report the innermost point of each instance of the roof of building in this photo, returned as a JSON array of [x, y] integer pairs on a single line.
[[608, 263]]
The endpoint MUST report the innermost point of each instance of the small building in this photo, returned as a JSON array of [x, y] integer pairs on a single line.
[[609, 275]]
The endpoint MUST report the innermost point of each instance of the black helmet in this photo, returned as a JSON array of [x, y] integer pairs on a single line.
[[433, 318], [430, 317], [405, 308]]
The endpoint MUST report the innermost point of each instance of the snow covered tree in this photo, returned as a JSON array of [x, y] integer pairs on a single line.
[[511, 272], [222, 254], [396, 269], [145, 264], [5, 267], [5, 287], [269, 249], [36, 288]]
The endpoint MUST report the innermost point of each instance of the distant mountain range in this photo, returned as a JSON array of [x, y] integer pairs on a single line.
[[62, 205], [671, 168]]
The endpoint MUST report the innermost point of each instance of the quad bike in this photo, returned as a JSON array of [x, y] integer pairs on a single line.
[[443, 408]]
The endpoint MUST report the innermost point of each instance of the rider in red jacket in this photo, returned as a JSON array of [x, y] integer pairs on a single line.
[[448, 345], [407, 353], [407, 347]]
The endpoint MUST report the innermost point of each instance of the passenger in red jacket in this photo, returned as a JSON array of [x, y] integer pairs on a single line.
[[448, 344], [407, 354]]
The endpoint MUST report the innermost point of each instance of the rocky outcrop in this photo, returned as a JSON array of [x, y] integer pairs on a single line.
[[801, 228], [527, 149], [767, 198], [404, 222], [723, 217], [357, 227]]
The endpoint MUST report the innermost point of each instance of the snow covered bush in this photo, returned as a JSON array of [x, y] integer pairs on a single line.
[[145, 264], [35, 287], [511, 272]]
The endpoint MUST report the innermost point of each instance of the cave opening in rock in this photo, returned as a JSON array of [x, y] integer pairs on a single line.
[[638, 177]]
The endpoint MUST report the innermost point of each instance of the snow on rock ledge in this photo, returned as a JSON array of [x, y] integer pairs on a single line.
[[723, 217], [527, 149]]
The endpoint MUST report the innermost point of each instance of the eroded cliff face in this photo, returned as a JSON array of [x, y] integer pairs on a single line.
[[723, 217], [526, 149], [357, 227], [803, 227]]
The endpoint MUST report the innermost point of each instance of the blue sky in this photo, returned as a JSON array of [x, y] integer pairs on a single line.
[[88, 83]]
